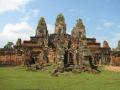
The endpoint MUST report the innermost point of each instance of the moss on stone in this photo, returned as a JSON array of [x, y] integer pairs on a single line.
[[60, 18], [41, 23], [79, 23]]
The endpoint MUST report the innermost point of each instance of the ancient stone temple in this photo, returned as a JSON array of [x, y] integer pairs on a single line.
[[38, 44], [59, 47], [115, 56], [10, 56]]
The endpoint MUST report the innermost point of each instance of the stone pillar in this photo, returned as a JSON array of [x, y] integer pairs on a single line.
[[74, 57]]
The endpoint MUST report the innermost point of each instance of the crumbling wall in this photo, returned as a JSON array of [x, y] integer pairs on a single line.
[[11, 59]]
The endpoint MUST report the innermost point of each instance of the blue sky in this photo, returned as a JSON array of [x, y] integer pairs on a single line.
[[19, 18]]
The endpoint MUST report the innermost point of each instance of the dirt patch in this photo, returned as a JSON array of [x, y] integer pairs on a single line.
[[113, 68]]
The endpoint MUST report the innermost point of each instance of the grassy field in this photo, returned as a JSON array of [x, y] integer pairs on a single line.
[[17, 78]]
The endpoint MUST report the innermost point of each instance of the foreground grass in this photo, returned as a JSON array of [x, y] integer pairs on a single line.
[[17, 78]]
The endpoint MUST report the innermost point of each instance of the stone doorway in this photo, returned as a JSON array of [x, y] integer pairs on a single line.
[[66, 58]]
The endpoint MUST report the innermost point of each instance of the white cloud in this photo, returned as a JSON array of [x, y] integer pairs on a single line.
[[11, 32], [50, 28], [35, 12], [23, 30], [109, 24], [99, 28], [30, 14], [68, 32], [10, 5], [76, 11], [72, 10]]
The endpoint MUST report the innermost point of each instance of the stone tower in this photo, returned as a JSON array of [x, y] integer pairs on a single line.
[[41, 30], [118, 47], [60, 26], [19, 42], [105, 54], [79, 30], [105, 44]]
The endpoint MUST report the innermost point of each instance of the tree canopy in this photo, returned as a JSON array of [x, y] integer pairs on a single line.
[[9, 45]]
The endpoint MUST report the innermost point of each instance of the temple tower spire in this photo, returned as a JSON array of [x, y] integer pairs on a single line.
[[105, 44], [79, 30], [41, 30], [60, 26]]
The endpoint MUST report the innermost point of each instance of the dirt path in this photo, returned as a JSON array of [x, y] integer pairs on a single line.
[[113, 68]]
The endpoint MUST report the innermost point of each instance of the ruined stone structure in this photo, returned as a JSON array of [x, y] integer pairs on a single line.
[[11, 56], [115, 56], [61, 48]]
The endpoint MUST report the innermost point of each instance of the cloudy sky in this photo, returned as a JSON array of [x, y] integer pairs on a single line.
[[19, 18]]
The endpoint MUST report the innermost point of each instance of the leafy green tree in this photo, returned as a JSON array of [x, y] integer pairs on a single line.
[[9, 45]]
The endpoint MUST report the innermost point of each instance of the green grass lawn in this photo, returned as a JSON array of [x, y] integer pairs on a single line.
[[17, 78]]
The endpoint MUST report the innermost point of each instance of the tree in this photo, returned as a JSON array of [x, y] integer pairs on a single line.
[[9, 45]]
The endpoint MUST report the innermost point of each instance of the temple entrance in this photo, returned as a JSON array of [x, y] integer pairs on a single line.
[[32, 60], [66, 58], [92, 65], [71, 58], [88, 61]]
